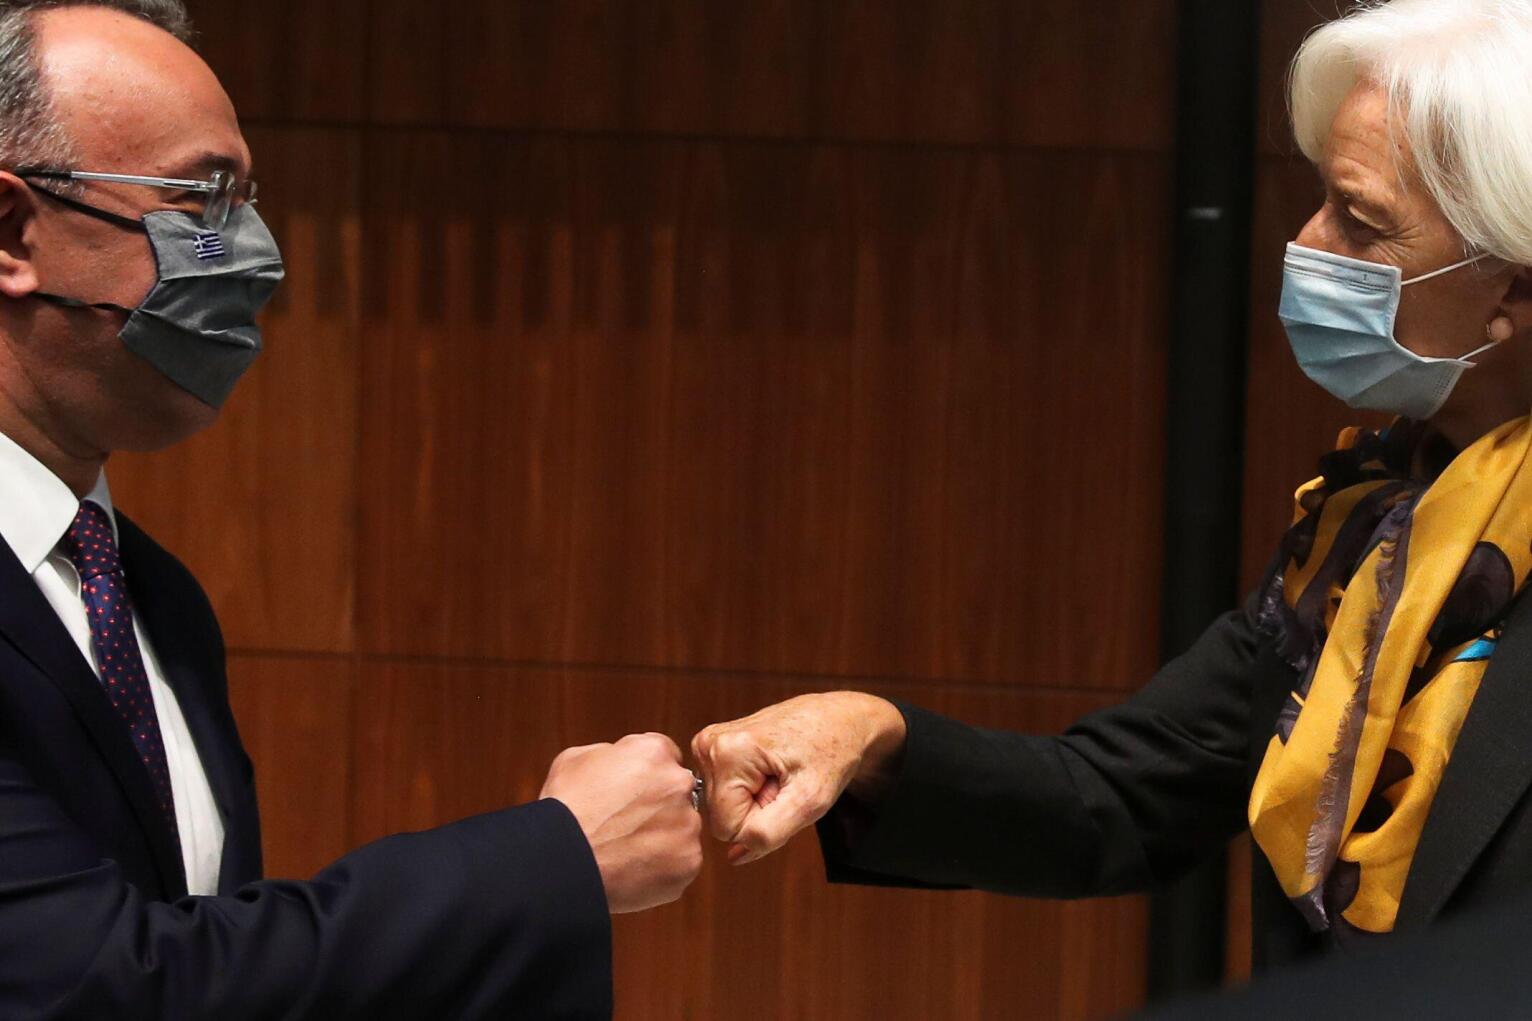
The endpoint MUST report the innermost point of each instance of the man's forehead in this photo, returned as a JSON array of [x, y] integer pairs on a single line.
[[127, 92]]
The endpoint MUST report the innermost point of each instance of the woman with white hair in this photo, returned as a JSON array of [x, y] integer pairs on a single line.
[[1368, 714]]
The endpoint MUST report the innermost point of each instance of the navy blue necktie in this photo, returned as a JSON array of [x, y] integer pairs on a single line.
[[92, 549]]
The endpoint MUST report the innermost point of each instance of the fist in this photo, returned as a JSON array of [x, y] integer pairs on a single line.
[[633, 801], [775, 773]]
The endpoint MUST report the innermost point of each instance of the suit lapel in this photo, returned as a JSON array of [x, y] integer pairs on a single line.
[[28, 622], [1487, 775], [188, 660]]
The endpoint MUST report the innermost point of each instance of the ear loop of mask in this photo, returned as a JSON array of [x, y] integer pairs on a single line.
[[1442, 272], [104, 215], [63, 302]]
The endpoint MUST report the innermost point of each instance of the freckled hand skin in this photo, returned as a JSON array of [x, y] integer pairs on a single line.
[[779, 771]]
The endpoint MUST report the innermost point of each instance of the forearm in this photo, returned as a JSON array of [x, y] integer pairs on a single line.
[[1128, 797], [985, 809], [491, 914]]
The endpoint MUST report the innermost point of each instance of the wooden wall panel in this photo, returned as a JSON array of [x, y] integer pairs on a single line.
[[263, 506], [643, 362], [960, 71], [288, 60], [771, 940], [408, 60], [294, 715], [824, 411]]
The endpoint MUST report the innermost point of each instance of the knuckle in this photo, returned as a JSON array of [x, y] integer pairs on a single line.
[[733, 745], [752, 836], [689, 864], [651, 745], [719, 824], [567, 756]]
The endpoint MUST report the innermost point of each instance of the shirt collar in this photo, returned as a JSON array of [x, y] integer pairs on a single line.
[[37, 508]]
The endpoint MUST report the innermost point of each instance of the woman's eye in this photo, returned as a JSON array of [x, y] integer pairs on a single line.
[[1357, 228]]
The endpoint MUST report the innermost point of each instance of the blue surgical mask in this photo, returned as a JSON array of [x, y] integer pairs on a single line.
[[1340, 316]]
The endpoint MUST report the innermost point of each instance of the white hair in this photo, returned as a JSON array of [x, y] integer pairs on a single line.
[[1458, 73]]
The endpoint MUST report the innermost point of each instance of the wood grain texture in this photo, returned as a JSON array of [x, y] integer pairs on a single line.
[[263, 506], [772, 940], [1239, 949], [288, 60], [815, 411], [931, 71], [638, 355], [956, 71], [406, 43], [294, 714]]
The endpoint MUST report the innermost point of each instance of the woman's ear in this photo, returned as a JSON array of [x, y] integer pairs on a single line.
[[18, 276]]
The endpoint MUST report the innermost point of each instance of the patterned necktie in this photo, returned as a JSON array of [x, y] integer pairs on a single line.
[[92, 549]]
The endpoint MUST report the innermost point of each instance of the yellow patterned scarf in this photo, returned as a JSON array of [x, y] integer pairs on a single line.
[[1387, 598]]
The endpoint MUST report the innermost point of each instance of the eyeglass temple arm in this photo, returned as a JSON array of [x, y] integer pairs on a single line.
[[85, 175]]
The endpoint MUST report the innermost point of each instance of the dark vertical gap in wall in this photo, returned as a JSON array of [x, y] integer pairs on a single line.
[[1215, 157]]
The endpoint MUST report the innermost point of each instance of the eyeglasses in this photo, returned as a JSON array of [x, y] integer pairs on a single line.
[[223, 190]]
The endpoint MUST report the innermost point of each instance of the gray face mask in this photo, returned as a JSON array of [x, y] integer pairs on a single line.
[[197, 324]]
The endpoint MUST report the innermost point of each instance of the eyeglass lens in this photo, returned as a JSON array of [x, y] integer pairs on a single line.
[[219, 200]]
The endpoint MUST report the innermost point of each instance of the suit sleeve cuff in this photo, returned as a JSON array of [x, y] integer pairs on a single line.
[[890, 842], [536, 856]]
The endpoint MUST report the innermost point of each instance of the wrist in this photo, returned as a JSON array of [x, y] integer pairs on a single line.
[[882, 751]]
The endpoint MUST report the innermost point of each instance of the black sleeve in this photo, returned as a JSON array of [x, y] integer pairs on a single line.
[[496, 916], [1127, 798]]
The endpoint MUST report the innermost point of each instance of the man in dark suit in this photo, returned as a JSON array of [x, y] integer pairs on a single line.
[[132, 262]]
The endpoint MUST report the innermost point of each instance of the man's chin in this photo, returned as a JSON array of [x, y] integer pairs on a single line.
[[164, 421]]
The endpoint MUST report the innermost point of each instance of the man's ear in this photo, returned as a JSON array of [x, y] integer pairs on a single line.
[[18, 276]]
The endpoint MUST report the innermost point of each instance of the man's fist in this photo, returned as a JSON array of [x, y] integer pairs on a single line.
[[779, 771], [633, 800]]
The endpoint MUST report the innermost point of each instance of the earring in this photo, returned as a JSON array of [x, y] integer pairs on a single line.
[[1500, 329]]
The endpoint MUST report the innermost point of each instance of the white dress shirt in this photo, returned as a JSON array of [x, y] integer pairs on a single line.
[[36, 510]]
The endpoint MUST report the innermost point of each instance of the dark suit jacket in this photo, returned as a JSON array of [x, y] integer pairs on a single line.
[[1134, 796], [504, 914], [1471, 966]]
